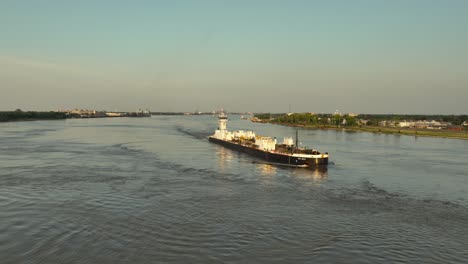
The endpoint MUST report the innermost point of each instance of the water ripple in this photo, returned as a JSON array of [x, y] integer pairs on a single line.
[[155, 191]]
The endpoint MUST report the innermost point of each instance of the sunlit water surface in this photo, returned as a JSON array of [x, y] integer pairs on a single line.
[[154, 190]]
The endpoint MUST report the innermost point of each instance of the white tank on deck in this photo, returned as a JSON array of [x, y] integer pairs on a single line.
[[265, 143], [288, 141]]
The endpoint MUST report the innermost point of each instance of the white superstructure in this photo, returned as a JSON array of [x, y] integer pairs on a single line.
[[223, 134]]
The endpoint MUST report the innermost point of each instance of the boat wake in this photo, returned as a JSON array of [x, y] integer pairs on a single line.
[[197, 135]]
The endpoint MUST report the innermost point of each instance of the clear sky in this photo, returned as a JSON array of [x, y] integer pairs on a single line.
[[375, 56]]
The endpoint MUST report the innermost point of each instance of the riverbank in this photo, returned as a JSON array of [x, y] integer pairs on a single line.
[[12, 116], [387, 130], [17, 116]]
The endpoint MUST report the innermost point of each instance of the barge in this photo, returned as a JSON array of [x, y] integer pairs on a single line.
[[287, 153]]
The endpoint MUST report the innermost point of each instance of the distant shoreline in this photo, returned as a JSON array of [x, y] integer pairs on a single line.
[[383, 130], [28, 120], [24, 116], [18, 116], [56, 119]]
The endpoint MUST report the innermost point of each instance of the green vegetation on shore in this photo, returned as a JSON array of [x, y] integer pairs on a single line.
[[18, 115], [412, 132], [367, 123]]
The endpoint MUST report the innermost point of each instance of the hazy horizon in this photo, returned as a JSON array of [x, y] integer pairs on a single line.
[[402, 57]]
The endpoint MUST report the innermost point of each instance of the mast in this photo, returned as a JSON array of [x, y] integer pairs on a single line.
[[297, 138]]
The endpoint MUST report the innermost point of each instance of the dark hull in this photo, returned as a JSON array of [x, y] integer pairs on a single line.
[[272, 157]]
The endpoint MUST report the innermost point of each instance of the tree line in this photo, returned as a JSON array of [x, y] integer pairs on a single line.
[[19, 115], [347, 120], [374, 119], [309, 119]]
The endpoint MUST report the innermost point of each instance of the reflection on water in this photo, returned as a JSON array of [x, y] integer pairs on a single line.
[[266, 169], [266, 173], [225, 157], [316, 174]]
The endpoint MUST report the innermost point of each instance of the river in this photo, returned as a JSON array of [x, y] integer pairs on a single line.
[[154, 190]]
